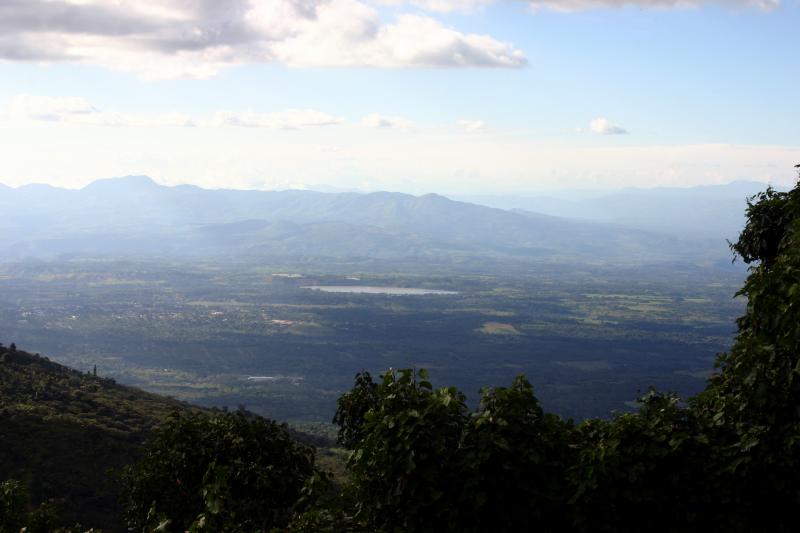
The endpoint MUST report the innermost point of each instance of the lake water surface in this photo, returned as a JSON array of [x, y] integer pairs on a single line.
[[373, 289]]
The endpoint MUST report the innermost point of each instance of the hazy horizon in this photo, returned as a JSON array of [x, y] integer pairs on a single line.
[[474, 196], [448, 96]]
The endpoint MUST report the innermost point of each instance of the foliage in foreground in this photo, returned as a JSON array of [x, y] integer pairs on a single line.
[[422, 463], [228, 472], [18, 515]]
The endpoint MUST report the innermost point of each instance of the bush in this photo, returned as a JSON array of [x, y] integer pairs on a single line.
[[420, 462], [228, 472]]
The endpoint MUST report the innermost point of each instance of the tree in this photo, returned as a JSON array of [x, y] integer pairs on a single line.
[[516, 457], [18, 515], [420, 462], [230, 472], [405, 435], [755, 398], [652, 470]]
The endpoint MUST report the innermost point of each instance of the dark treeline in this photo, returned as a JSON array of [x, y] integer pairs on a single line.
[[727, 459]]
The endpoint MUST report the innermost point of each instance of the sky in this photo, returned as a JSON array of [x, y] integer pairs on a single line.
[[446, 96]]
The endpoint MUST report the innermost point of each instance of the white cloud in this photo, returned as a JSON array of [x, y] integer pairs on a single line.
[[75, 110], [290, 119], [604, 126], [472, 126], [353, 37], [179, 38], [578, 5], [443, 6], [375, 120], [80, 111], [469, 6], [54, 109]]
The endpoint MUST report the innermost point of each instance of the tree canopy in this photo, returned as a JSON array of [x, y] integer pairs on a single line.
[[227, 472]]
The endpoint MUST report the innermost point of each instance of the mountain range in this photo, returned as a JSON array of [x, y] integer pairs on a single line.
[[136, 217], [710, 211]]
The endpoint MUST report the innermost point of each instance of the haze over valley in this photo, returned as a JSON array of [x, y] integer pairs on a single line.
[[190, 292]]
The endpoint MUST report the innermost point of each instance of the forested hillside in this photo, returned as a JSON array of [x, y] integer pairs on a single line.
[[63, 433], [67, 437]]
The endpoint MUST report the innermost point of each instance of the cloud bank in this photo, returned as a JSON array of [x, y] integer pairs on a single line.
[[181, 38], [73, 110]]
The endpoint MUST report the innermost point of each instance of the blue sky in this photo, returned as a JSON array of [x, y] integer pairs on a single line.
[[451, 96]]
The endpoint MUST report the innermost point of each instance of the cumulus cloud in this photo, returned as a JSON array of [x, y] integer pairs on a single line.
[[75, 110], [578, 5], [375, 120], [180, 38], [338, 38], [604, 126], [472, 126]]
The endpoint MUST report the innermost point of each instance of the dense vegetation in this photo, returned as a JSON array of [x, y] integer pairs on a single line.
[[421, 460], [72, 450], [61, 431], [232, 471]]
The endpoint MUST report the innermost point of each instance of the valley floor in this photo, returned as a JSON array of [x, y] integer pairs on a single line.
[[589, 339]]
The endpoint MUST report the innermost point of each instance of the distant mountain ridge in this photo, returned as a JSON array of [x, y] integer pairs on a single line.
[[134, 216], [712, 211]]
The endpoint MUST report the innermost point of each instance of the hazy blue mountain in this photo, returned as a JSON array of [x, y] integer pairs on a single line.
[[715, 211], [136, 216]]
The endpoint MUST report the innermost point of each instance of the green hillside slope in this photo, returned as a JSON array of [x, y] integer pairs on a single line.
[[65, 434]]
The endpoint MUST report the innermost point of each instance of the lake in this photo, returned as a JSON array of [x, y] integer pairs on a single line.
[[372, 289]]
